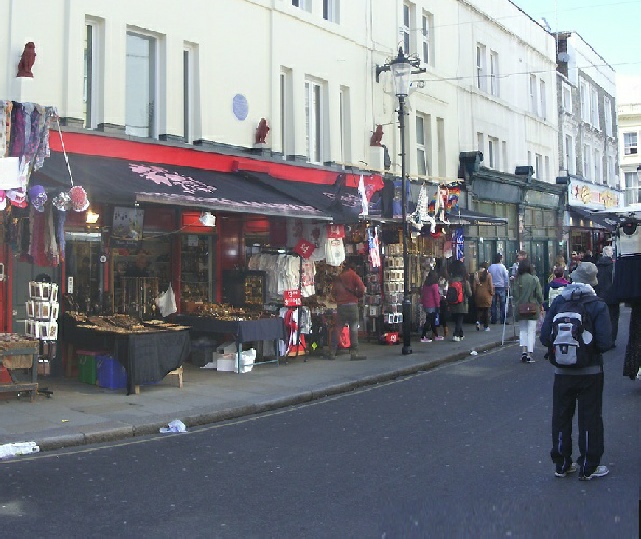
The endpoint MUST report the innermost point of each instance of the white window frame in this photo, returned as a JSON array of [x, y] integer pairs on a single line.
[[567, 98], [585, 104], [440, 147], [534, 105], [546, 167], [632, 191], [493, 153], [331, 11], [607, 110], [286, 113], [480, 143], [305, 5], [538, 166], [610, 176], [570, 163], [542, 91], [406, 29], [427, 41], [494, 73], [314, 114], [630, 143], [504, 157], [597, 167], [152, 112], [481, 67], [594, 108], [587, 155], [92, 80], [422, 168]]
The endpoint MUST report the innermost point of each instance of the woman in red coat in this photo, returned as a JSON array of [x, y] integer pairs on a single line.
[[431, 300]]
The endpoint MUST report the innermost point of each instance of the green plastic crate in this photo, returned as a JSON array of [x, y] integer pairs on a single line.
[[87, 367]]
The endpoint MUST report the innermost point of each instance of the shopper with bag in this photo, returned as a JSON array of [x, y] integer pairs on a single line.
[[431, 301], [528, 299], [458, 302]]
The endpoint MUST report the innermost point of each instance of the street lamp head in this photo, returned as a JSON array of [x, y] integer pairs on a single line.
[[401, 70]]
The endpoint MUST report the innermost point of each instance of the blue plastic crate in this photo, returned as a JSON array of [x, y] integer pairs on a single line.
[[110, 373]]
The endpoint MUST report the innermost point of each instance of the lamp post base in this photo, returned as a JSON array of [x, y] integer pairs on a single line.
[[407, 314]]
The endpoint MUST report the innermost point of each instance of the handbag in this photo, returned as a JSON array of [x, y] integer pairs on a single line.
[[528, 309]]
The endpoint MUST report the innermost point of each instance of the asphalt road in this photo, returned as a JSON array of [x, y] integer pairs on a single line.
[[461, 451]]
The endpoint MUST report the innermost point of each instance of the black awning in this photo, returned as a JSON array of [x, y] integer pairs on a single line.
[[463, 216], [341, 203], [594, 218], [121, 181]]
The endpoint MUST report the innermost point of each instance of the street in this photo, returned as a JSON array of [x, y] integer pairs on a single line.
[[460, 451]]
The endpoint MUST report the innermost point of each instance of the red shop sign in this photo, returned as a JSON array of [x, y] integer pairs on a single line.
[[292, 298]]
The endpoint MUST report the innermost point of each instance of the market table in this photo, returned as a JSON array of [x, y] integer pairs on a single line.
[[146, 356], [262, 329]]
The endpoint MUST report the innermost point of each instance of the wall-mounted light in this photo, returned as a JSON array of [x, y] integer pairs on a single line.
[[92, 217], [207, 219]]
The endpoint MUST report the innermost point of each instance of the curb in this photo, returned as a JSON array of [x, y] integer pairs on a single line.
[[95, 435]]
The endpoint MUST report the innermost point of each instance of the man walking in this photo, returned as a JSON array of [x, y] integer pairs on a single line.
[[501, 281], [581, 381]]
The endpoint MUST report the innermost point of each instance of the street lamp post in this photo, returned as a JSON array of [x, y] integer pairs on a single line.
[[401, 68]]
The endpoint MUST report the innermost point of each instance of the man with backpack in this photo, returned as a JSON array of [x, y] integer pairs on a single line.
[[576, 331]]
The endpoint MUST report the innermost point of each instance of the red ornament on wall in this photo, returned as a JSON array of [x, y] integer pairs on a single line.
[[27, 60]]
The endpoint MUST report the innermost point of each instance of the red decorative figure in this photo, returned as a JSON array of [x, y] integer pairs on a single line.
[[377, 136], [261, 131], [27, 60]]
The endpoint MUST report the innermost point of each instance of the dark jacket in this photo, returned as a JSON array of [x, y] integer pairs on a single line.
[[597, 310], [605, 274]]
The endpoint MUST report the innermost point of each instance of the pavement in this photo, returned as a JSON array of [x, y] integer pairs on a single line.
[[80, 414]]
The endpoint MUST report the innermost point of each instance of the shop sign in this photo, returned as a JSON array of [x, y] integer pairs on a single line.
[[588, 195], [292, 298]]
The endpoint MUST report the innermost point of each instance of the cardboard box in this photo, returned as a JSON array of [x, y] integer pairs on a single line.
[[226, 364]]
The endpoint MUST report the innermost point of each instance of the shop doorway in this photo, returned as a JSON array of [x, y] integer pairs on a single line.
[[538, 254]]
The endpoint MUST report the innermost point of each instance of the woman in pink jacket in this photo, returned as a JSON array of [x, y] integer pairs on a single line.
[[430, 299]]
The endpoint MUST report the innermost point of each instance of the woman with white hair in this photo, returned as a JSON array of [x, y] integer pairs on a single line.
[[605, 267]]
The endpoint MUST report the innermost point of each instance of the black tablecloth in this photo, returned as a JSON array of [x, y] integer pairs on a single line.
[[263, 329], [147, 357]]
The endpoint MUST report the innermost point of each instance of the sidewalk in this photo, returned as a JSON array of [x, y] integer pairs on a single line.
[[79, 414]]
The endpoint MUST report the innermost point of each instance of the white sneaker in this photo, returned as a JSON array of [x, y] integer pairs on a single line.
[[487, 329], [456, 339], [599, 472]]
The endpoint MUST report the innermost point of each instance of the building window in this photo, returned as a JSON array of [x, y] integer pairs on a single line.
[[570, 164], [345, 127], [481, 70], [189, 92], [607, 110], [480, 143], [504, 160], [594, 108], [546, 169], [597, 167], [533, 101], [406, 28], [629, 143], [610, 178], [440, 146], [494, 73], [314, 112], [543, 111], [632, 188], [421, 151], [286, 113], [426, 37], [585, 105], [586, 161], [91, 73], [303, 4], [567, 98], [538, 166], [140, 115], [331, 10], [493, 153]]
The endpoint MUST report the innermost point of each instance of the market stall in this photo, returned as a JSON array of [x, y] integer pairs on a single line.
[[149, 351]]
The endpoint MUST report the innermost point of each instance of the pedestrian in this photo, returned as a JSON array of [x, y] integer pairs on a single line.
[[587, 257], [582, 385], [444, 310], [347, 288], [520, 255], [458, 274], [555, 286], [431, 301], [483, 295], [527, 292], [500, 282], [605, 276]]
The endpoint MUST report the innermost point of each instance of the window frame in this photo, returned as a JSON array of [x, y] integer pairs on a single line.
[[566, 92], [607, 111], [630, 147], [406, 28], [91, 72], [543, 99], [427, 41], [494, 73], [314, 114], [534, 105], [481, 67], [153, 85], [493, 152], [331, 11]]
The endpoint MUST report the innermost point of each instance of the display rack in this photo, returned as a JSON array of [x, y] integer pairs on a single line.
[[42, 311], [135, 296], [195, 271]]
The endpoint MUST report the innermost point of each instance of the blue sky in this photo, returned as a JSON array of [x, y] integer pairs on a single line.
[[610, 27]]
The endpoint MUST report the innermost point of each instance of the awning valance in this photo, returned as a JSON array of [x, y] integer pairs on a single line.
[[124, 181]]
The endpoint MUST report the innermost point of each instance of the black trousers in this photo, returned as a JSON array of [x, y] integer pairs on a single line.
[[614, 311], [458, 324], [587, 391]]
